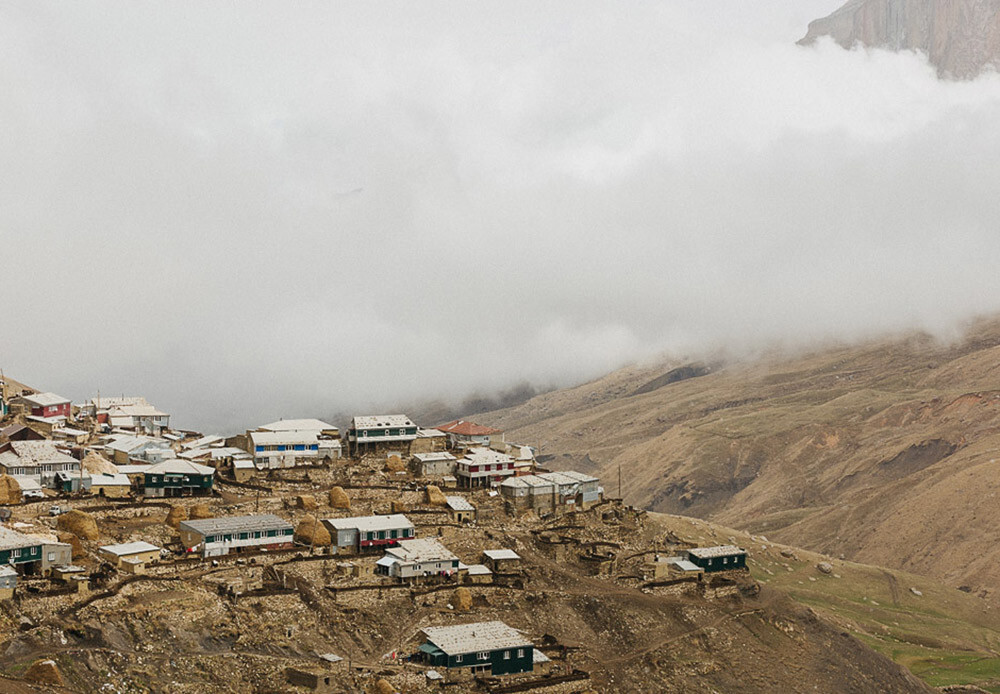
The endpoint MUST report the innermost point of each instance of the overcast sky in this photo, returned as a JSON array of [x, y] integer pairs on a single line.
[[245, 211]]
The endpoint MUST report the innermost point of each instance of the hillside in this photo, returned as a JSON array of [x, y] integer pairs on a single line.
[[960, 37], [883, 452]]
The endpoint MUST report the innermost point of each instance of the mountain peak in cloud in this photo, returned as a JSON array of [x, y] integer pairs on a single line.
[[960, 37]]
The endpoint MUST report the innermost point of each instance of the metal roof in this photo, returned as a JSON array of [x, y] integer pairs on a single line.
[[381, 420], [421, 550], [719, 551], [485, 456], [431, 457], [104, 479], [473, 638], [283, 438], [227, 524], [127, 548], [35, 452], [478, 570], [298, 425], [501, 554], [370, 523], [11, 539], [45, 399], [459, 503], [177, 466]]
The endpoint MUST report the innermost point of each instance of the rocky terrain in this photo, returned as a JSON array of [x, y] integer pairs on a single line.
[[960, 37], [885, 452]]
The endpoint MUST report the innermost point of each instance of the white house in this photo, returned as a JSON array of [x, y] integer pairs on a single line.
[[213, 537], [417, 559], [482, 467]]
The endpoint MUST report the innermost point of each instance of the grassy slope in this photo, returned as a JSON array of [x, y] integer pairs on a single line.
[[944, 636]]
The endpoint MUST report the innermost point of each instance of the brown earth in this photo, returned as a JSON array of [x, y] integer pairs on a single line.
[[885, 452]]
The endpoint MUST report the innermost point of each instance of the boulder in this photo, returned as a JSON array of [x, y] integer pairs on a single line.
[[825, 567], [339, 498], [311, 532], [73, 541], [461, 599], [434, 496], [200, 511], [10, 490], [306, 502], [44, 671], [79, 523], [176, 515]]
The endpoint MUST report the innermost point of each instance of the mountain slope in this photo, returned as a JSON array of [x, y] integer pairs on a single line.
[[884, 452], [960, 37]]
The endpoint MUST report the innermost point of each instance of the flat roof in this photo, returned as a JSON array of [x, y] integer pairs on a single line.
[[501, 554], [298, 425], [459, 503], [478, 570], [226, 524], [283, 438], [45, 399], [473, 638], [179, 467], [464, 428], [370, 523], [718, 551], [421, 550], [431, 457], [127, 548]]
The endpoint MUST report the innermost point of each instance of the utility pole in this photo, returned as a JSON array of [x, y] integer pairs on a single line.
[[619, 480]]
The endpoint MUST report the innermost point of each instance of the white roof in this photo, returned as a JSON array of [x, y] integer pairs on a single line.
[[11, 539], [124, 550], [45, 399], [135, 411], [381, 420], [431, 457], [486, 456], [27, 484], [539, 657], [718, 551], [106, 403], [203, 441], [387, 561], [230, 524], [421, 550], [459, 503], [526, 481], [7, 571], [283, 438], [213, 453], [103, 479], [501, 554], [683, 564], [298, 425], [429, 433], [178, 466], [370, 523], [132, 469], [127, 443], [478, 570], [473, 638], [34, 452], [242, 463]]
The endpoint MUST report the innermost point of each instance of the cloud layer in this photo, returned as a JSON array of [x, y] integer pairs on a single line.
[[296, 210]]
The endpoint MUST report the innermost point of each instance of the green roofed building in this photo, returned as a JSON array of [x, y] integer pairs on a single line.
[[491, 648]]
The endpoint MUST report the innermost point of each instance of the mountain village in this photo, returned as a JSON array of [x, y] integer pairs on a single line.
[[104, 504]]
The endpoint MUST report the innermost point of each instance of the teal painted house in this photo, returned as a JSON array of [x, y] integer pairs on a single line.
[[721, 558], [490, 648], [19, 550], [177, 478]]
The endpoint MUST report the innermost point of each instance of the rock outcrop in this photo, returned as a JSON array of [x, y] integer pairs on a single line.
[[960, 37]]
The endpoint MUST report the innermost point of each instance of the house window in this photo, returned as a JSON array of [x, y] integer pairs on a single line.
[[300, 447], [314, 447], [52, 556], [394, 534], [381, 534], [520, 652], [15, 553], [484, 656], [371, 536], [506, 655], [281, 448], [458, 659]]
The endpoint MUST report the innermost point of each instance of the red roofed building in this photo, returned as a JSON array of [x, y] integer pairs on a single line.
[[461, 431]]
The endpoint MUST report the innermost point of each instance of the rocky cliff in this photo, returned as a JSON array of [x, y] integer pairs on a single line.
[[960, 37]]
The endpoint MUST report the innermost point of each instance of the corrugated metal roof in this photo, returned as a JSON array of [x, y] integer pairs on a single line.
[[45, 399], [127, 548], [298, 425], [501, 554], [458, 503], [211, 526], [473, 638], [371, 523], [179, 467]]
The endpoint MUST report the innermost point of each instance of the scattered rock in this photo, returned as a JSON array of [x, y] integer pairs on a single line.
[[788, 554], [825, 567], [306, 502], [10, 490], [79, 523], [339, 498], [435, 497], [311, 532], [44, 672], [176, 515], [462, 599], [200, 511], [916, 592]]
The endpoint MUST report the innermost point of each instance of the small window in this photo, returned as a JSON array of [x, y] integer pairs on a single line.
[[520, 652], [506, 655], [458, 659], [484, 656]]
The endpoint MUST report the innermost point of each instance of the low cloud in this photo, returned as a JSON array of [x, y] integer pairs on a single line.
[[245, 213]]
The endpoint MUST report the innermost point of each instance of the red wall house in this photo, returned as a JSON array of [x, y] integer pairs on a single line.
[[45, 404]]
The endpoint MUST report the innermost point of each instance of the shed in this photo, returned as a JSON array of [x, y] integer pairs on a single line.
[[501, 560], [718, 558]]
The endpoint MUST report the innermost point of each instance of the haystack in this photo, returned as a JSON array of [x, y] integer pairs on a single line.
[[79, 523], [306, 502], [399, 506], [176, 515], [10, 490], [435, 497], [200, 511], [339, 498], [461, 599], [383, 687], [394, 463], [44, 672], [96, 465], [312, 532], [74, 542]]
